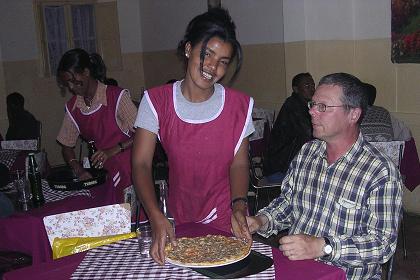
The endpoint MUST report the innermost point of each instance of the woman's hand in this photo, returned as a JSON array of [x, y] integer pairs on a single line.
[[81, 173], [162, 232], [100, 157], [239, 223], [85, 175]]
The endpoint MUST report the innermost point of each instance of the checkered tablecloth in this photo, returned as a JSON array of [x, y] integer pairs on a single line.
[[8, 157], [50, 195], [122, 260]]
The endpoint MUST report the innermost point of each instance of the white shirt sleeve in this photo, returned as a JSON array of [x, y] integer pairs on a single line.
[[145, 118]]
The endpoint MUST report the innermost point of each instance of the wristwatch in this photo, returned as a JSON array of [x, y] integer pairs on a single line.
[[327, 247]]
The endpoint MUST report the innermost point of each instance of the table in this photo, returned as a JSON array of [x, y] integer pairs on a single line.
[[284, 268], [13, 159], [24, 231]]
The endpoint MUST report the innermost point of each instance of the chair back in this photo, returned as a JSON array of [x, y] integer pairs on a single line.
[[256, 152], [39, 135], [393, 149]]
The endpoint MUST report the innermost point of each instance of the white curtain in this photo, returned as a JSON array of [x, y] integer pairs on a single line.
[[55, 28], [84, 27]]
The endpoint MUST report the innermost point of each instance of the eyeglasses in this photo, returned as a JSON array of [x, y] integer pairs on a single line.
[[321, 107]]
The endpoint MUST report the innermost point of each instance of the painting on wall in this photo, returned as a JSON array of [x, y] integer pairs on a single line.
[[405, 28]]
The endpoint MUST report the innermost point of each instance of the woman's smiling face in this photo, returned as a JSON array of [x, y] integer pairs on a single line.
[[216, 61], [76, 83]]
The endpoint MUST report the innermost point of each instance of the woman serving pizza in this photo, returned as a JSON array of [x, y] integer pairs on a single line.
[[204, 128]]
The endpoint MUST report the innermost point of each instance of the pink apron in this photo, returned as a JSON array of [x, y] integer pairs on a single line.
[[101, 126], [199, 156]]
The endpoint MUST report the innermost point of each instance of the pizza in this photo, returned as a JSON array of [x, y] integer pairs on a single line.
[[205, 251]]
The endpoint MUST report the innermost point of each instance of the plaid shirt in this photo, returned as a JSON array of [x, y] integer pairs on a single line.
[[355, 202]]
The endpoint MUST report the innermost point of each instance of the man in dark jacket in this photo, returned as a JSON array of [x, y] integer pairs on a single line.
[[22, 124], [291, 130]]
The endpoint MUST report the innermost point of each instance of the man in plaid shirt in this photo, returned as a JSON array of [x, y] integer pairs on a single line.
[[341, 198]]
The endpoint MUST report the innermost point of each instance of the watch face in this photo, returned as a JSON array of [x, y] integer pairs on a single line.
[[328, 249]]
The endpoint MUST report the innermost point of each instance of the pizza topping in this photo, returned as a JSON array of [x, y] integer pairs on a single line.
[[207, 250]]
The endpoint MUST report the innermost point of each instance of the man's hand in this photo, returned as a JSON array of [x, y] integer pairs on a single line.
[[302, 246], [162, 232]]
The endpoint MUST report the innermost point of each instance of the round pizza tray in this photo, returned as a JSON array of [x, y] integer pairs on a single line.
[[177, 263], [62, 178]]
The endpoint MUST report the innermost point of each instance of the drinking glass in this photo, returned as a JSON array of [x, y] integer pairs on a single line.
[[21, 185], [144, 237]]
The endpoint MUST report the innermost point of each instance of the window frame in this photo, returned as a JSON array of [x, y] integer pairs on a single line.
[[44, 61]]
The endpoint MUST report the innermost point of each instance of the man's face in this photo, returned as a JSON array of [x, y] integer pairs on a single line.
[[335, 122], [306, 87]]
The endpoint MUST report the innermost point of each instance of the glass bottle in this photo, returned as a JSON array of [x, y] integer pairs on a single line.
[[163, 202], [91, 150], [34, 176]]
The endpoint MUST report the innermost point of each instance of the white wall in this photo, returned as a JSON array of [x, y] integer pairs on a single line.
[[18, 34], [372, 19], [336, 19], [257, 21], [17, 30], [130, 26], [160, 33]]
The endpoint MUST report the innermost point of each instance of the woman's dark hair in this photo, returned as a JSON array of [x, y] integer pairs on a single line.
[[78, 60], [216, 22]]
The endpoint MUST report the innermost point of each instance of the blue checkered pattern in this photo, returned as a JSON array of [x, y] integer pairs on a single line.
[[50, 195], [8, 157], [122, 260], [355, 202]]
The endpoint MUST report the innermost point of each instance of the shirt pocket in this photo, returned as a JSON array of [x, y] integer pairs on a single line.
[[346, 217]]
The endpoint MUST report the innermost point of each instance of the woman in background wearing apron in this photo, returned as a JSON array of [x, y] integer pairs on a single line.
[[100, 113]]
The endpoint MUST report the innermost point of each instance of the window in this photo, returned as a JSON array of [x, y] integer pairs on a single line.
[[64, 27], [89, 24]]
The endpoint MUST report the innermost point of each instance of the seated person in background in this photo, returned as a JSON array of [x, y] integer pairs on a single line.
[[291, 130], [378, 124], [100, 113], [4, 175], [341, 198], [22, 124]]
